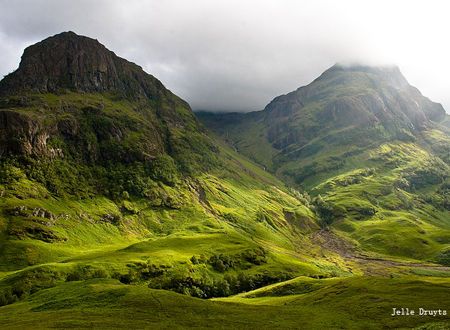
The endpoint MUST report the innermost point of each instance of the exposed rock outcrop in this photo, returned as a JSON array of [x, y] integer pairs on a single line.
[[78, 63], [22, 135]]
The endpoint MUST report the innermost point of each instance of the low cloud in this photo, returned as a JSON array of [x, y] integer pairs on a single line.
[[238, 55]]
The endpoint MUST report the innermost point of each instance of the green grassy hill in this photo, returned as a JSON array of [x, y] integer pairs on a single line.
[[350, 304], [155, 221], [118, 209], [368, 147], [104, 181]]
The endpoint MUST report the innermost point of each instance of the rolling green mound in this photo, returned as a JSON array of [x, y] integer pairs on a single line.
[[351, 304]]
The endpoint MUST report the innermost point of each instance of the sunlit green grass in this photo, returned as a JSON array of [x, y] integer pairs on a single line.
[[357, 303]]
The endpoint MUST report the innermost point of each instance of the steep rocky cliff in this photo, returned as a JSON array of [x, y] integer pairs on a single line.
[[78, 63]]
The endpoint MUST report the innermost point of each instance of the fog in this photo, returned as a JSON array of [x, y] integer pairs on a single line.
[[238, 55]]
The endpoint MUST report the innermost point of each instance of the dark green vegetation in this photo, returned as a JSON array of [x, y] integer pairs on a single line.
[[117, 208]]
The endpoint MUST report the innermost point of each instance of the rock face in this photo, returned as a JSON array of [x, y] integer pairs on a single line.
[[78, 63], [345, 108], [20, 135], [360, 95]]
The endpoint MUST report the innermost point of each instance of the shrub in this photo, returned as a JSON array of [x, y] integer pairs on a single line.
[[85, 272], [7, 297], [443, 258], [194, 260], [10, 173], [230, 284], [222, 263], [142, 271], [326, 211], [163, 169]]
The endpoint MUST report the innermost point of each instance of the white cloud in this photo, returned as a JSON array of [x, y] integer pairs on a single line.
[[238, 55]]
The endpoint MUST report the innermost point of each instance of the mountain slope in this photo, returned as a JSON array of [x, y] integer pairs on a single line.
[[113, 194], [371, 145], [105, 173], [71, 98]]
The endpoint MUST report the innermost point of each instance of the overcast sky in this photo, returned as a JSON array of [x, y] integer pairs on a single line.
[[238, 55]]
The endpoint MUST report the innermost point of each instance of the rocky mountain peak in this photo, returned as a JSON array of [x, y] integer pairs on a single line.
[[388, 74], [150, 123], [68, 61], [360, 94]]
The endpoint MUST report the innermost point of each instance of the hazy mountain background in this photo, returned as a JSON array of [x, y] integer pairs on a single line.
[[369, 145]]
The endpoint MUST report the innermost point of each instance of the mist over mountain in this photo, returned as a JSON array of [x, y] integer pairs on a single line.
[[362, 140], [347, 105], [225, 56]]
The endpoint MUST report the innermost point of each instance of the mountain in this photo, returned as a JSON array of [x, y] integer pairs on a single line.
[[85, 103], [78, 63], [119, 209], [370, 147], [105, 173], [343, 105]]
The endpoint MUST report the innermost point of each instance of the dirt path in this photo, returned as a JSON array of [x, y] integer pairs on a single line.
[[368, 264]]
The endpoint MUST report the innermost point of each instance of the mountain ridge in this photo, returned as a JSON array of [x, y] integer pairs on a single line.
[[342, 98], [78, 63], [372, 78], [115, 197], [125, 114], [370, 149]]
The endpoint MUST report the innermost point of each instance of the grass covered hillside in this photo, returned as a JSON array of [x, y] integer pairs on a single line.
[[354, 303], [369, 148], [118, 209], [100, 183], [215, 234]]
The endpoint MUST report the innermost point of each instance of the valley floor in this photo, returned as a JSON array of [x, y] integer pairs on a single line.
[[303, 303], [370, 264], [363, 301]]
